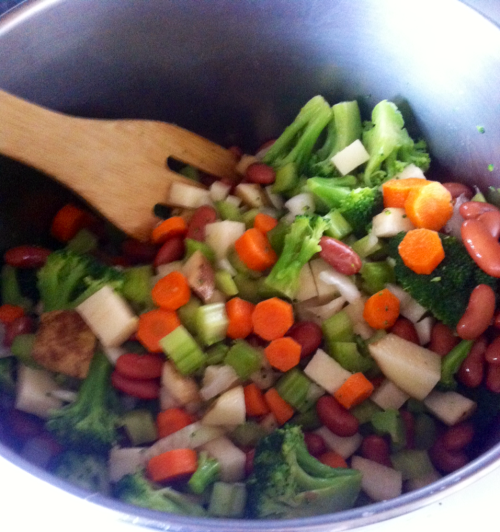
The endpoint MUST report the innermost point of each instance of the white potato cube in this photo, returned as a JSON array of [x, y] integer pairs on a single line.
[[350, 157], [34, 389], [188, 196], [231, 458], [326, 371], [450, 407], [390, 222], [220, 236], [228, 409], [307, 286], [346, 446], [378, 482], [389, 396]]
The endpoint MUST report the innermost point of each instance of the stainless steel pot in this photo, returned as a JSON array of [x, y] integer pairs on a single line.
[[237, 71]]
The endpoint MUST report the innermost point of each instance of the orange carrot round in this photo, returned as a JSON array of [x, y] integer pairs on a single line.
[[255, 403], [10, 313], [171, 420], [332, 459], [172, 465], [171, 291], [283, 353], [395, 191], [255, 251], [354, 391], [429, 207], [381, 309], [421, 250], [239, 313], [264, 222], [281, 410], [68, 221], [154, 325], [174, 226], [272, 318]]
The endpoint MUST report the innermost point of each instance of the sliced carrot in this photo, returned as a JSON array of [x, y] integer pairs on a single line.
[[332, 459], [171, 420], [429, 207], [272, 318], [395, 191], [421, 250], [255, 403], [282, 410], [381, 309], [154, 325], [354, 390], [174, 226], [283, 353], [255, 251], [171, 291], [239, 313], [172, 465], [68, 221], [264, 222], [10, 313]]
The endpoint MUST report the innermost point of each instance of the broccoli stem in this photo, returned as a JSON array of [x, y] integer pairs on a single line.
[[452, 361], [207, 472], [11, 291]]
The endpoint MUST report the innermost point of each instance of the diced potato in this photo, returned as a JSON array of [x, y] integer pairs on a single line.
[[245, 162], [345, 446], [390, 222], [389, 396], [326, 371], [125, 461], [231, 458], [325, 290], [251, 194], [307, 286], [191, 197], [183, 390], [228, 409], [200, 275], [414, 369], [450, 407], [220, 236], [350, 157], [379, 482], [34, 391]]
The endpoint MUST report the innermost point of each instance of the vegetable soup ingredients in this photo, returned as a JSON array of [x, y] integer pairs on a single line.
[[272, 318], [172, 291], [155, 325], [429, 207], [255, 251], [421, 250], [381, 310]]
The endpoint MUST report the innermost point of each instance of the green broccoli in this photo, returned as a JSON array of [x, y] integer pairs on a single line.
[[453, 280], [207, 472], [68, 278], [89, 424], [389, 145], [288, 482], [87, 471], [343, 129], [301, 243], [296, 143], [11, 290], [137, 490]]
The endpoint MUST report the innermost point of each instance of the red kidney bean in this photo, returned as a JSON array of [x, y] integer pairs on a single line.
[[335, 417], [339, 256], [493, 378], [315, 443], [491, 220], [137, 252], [236, 151], [478, 314], [409, 425], [445, 460], [481, 246], [492, 355], [136, 366], [40, 450], [405, 329], [173, 249], [202, 216], [260, 173], [496, 321], [26, 256], [22, 325], [249, 456], [471, 370], [376, 448], [22, 425], [308, 334], [473, 209], [142, 389], [458, 437], [442, 339], [457, 189]]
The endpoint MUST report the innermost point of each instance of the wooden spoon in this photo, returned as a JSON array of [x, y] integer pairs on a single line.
[[118, 166]]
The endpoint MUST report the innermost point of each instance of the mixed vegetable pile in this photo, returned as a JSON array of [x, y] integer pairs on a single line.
[[319, 335]]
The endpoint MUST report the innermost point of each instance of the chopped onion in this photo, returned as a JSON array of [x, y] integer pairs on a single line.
[[219, 191], [301, 204], [424, 329], [274, 199], [125, 461], [453, 226], [410, 171], [217, 379], [231, 458], [320, 313], [343, 283]]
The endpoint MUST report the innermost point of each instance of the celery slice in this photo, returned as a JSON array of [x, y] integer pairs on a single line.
[[211, 322], [140, 426], [183, 350], [293, 387], [243, 358]]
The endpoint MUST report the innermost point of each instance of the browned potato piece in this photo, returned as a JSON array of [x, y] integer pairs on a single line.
[[64, 343], [200, 275]]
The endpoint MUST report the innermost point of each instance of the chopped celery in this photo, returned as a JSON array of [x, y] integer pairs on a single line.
[[338, 226], [137, 285], [249, 217], [425, 431], [227, 500], [11, 291], [376, 275], [286, 179], [216, 354], [243, 358], [338, 328], [211, 323], [451, 363], [248, 289], [293, 387], [22, 349], [308, 420], [264, 291], [364, 411], [349, 357], [225, 283], [139, 426], [187, 314], [228, 211], [247, 434], [183, 350], [412, 463], [390, 422], [367, 246], [194, 245], [83, 242]]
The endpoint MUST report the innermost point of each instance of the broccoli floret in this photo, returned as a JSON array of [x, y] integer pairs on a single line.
[[445, 292], [11, 288], [68, 278], [389, 145], [89, 424], [296, 143], [88, 471], [288, 482], [136, 489], [301, 243], [207, 472], [360, 206]]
